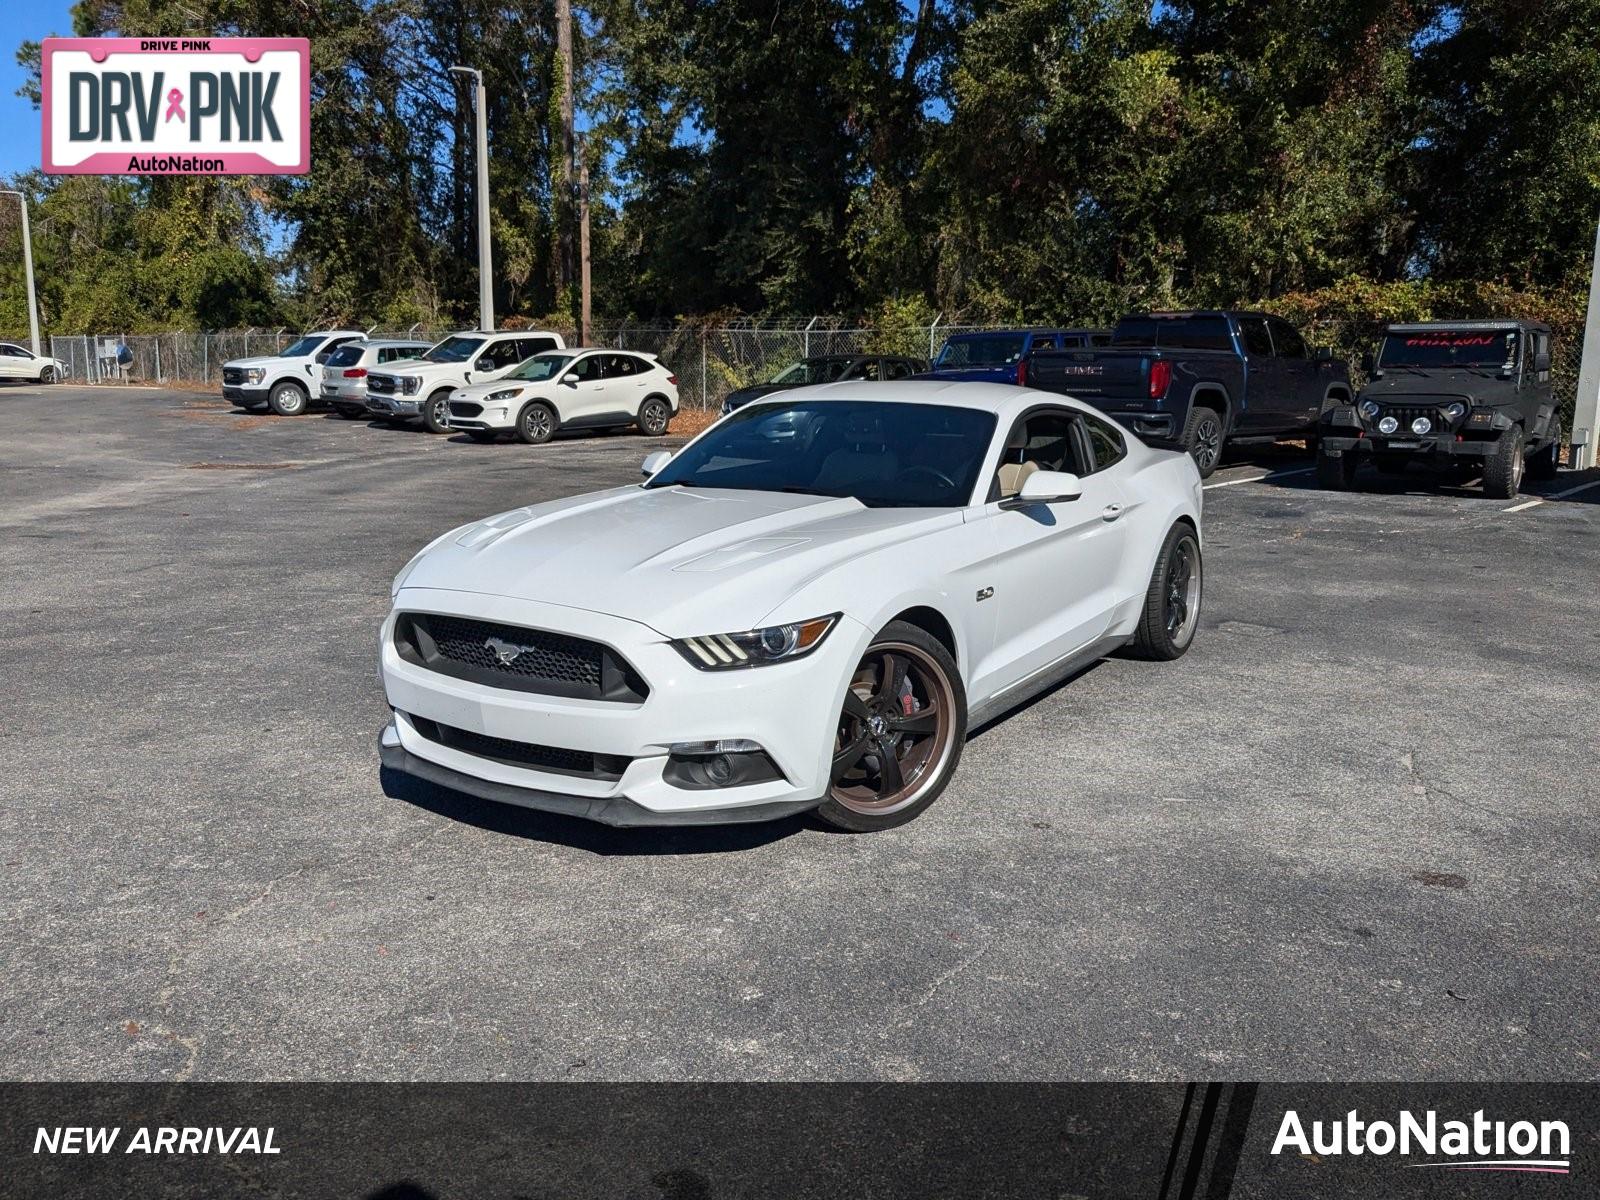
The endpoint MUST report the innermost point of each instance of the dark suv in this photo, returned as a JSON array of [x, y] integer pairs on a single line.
[[1472, 393]]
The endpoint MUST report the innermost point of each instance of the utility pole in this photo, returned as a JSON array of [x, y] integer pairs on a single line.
[[585, 328], [27, 270], [485, 259], [566, 169], [1586, 410]]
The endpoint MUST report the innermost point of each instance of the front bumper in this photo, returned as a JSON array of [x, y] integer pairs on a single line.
[[790, 710], [245, 394], [394, 406], [493, 417], [1432, 445]]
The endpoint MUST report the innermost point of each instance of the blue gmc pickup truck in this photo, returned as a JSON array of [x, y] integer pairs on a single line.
[[1001, 355], [1196, 380]]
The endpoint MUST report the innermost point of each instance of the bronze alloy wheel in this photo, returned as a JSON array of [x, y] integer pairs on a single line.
[[1182, 590], [896, 732]]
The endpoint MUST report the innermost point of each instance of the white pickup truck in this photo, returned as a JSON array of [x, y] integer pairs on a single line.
[[286, 381], [421, 389]]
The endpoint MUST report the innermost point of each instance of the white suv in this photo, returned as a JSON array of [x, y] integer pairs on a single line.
[[344, 373], [578, 389], [284, 381], [422, 388]]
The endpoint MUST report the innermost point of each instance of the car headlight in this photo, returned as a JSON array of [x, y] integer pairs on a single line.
[[1456, 411], [506, 394], [410, 385], [755, 647], [1369, 410], [255, 374]]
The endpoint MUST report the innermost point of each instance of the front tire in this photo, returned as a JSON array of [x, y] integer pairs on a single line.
[[1502, 469], [1172, 601], [288, 399], [900, 733], [437, 411], [1203, 439], [48, 375], [655, 414], [1336, 474], [536, 424]]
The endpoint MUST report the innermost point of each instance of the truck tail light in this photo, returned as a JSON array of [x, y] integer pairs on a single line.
[[355, 372], [1022, 373], [1160, 379]]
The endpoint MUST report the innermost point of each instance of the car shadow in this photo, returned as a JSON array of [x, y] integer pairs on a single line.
[[996, 721], [590, 836]]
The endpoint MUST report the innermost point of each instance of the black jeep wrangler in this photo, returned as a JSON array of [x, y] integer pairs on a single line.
[[1475, 394]]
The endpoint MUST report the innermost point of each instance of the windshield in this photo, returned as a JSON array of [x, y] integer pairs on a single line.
[[811, 370], [1450, 348], [454, 350], [302, 346], [884, 455], [982, 350], [346, 355], [1190, 333], [541, 367]]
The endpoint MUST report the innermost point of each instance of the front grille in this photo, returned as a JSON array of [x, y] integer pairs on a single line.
[[1407, 413], [464, 408], [384, 385], [556, 759], [233, 375], [511, 656]]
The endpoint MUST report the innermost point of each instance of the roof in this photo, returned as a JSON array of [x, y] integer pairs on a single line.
[[1029, 329], [1507, 323], [397, 341], [987, 397]]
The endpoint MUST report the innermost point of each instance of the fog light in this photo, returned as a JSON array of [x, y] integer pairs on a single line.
[[1421, 425], [1388, 425], [730, 762]]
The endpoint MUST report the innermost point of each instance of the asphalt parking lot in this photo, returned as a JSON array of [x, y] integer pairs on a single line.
[[1350, 836]]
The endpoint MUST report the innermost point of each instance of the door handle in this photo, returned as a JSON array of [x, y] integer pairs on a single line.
[[1111, 512]]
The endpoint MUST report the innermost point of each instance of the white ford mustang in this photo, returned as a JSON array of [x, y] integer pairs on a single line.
[[806, 607]]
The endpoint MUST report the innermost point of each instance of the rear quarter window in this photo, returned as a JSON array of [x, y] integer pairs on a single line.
[[1192, 333]]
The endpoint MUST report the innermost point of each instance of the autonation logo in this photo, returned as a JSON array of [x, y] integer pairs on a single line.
[[1476, 1145]]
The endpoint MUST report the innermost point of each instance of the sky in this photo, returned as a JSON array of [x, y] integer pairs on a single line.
[[21, 138]]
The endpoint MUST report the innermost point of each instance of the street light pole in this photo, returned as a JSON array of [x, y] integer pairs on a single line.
[[485, 262], [27, 270]]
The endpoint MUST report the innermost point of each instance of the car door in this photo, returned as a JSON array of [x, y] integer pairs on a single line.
[[1264, 384], [625, 383], [1054, 567], [1303, 382], [13, 361], [582, 392]]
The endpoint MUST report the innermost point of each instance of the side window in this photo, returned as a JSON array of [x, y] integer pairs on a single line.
[[586, 368], [866, 368], [1287, 340], [1041, 441], [896, 368], [529, 346], [12, 351], [1105, 443], [1257, 342], [506, 353]]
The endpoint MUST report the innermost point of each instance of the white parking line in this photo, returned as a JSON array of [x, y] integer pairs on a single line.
[[1260, 478], [1571, 491]]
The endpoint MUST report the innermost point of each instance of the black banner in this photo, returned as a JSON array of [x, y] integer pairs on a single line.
[[704, 1141]]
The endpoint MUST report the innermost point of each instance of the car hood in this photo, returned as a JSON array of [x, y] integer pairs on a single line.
[[261, 360], [682, 561], [479, 391], [1488, 389]]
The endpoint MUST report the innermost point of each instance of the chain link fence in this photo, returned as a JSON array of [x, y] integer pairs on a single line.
[[710, 360]]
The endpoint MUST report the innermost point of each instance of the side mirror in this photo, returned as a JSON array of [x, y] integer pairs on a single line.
[[1046, 487], [1367, 363], [1541, 362], [654, 461], [572, 378], [1322, 354]]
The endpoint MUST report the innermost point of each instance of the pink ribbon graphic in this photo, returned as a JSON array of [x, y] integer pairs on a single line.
[[175, 105]]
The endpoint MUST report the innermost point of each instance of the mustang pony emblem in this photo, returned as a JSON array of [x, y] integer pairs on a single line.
[[505, 651]]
